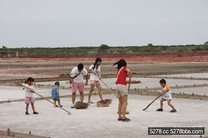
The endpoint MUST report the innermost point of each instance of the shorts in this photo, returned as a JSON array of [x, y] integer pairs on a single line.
[[77, 86], [29, 100], [56, 98], [167, 97], [121, 90], [95, 82]]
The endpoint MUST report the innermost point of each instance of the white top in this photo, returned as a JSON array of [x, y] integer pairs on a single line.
[[168, 94], [92, 75], [80, 77], [28, 93]]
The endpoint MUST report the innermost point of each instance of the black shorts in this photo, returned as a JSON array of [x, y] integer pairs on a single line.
[[56, 99]]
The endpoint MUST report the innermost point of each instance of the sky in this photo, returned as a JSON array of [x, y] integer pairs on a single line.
[[71, 23]]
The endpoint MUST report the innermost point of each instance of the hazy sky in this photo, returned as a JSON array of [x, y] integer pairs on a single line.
[[63, 23]]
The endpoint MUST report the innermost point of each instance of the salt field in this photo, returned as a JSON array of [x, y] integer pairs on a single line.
[[192, 75], [13, 92], [200, 91], [149, 44], [81, 123], [145, 82], [102, 122]]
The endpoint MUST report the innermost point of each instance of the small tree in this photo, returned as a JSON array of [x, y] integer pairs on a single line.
[[206, 43], [150, 44], [104, 47], [4, 47]]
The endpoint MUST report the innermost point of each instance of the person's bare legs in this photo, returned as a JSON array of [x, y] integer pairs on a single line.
[[73, 97], [161, 103], [124, 106], [100, 91], [33, 107], [81, 96], [171, 105], [59, 103], [92, 86], [120, 107], [54, 102], [27, 107]]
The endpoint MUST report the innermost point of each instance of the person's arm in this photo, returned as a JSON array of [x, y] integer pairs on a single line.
[[91, 71], [25, 86], [129, 75], [71, 79], [18, 83], [57, 93], [86, 77], [99, 75], [133, 81], [71, 76]]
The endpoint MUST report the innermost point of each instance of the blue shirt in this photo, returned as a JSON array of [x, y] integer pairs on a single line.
[[54, 92]]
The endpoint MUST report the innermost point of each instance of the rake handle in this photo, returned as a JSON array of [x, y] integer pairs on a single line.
[[152, 102], [41, 96]]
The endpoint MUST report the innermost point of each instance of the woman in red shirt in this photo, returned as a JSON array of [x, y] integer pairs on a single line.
[[121, 88]]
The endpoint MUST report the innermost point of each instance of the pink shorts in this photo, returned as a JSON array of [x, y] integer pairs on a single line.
[[79, 86], [95, 82], [29, 100]]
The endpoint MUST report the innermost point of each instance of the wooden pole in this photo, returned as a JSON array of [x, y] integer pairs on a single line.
[[42, 97]]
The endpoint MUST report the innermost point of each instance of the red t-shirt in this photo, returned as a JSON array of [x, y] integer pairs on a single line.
[[121, 77]]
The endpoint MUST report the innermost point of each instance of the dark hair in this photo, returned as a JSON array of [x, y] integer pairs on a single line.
[[121, 63], [57, 83], [162, 81], [80, 66], [98, 59], [29, 79]]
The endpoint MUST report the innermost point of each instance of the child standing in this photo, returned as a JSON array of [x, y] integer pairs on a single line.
[[121, 89], [55, 94], [166, 91], [29, 90], [95, 76]]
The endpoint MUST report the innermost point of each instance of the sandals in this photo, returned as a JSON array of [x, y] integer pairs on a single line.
[[124, 119], [173, 111], [120, 119], [35, 113], [58, 105], [160, 109], [26, 113]]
